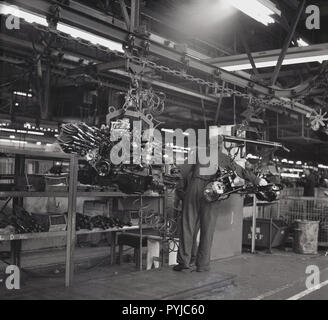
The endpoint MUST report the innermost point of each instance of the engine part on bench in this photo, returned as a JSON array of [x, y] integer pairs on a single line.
[[100, 222], [25, 222]]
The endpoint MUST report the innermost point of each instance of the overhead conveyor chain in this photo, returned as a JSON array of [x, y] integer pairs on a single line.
[[94, 21]]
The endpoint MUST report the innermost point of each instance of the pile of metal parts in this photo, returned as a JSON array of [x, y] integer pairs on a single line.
[[99, 222], [21, 221]]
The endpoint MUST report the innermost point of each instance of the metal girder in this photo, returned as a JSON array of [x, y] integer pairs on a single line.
[[172, 87], [75, 15], [135, 15], [125, 14], [97, 68], [271, 55], [249, 54], [287, 43], [105, 66]]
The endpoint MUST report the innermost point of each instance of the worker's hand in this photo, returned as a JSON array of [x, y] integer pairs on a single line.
[[263, 183]]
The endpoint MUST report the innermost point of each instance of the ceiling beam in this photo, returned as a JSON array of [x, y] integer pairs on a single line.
[[287, 43], [80, 18], [271, 55]]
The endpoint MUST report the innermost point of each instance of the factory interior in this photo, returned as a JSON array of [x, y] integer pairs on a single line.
[[164, 150]]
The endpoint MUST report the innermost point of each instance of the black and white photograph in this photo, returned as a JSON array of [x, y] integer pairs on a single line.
[[163, 155]]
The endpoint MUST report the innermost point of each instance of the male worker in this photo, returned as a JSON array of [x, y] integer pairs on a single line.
[[310, 183], [197, 212]]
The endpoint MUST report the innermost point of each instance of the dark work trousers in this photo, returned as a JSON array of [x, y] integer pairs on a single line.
[[197, 214]]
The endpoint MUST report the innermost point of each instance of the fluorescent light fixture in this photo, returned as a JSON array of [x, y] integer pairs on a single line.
[[23, 14], [167, 130], [23, 94], [38, 143], [251, 156], [302, 43], [273, 63], [36, 133], [78, 33], [260, 10], [74, 32], [13, 141], [7, 130], [292, 169], [290, 175], [12, 137]]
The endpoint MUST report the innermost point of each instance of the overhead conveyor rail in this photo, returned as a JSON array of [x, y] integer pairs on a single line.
[[86, 18]]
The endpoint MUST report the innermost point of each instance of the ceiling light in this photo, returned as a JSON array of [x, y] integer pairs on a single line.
[[13, 141], [74, 32], [260, 10], [36, 133], [22, 14], [23, 94], [7, 130], [167, 130], [290, 175], [273, 63]]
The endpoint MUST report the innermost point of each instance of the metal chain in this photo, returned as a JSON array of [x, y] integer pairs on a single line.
[[164, 69]]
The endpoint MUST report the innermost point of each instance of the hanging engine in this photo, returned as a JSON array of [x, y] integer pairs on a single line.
[[223, 186], [95, 145]]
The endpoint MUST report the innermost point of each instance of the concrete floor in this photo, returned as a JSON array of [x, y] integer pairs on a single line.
[[280, 275]]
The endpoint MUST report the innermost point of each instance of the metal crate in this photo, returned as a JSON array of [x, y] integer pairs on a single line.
[[303, 208]]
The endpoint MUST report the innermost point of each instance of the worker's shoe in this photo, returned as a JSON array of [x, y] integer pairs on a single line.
[[180, 267], [203, 269]]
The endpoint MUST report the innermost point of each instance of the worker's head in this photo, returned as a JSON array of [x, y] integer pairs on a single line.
[[307, 172]]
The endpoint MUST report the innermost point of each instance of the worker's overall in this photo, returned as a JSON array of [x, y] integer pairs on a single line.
[[197, 213]]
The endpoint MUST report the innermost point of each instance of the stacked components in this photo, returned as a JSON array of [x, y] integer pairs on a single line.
[[100, 222], [20, 221]]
